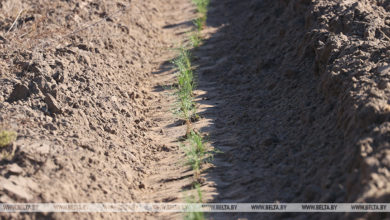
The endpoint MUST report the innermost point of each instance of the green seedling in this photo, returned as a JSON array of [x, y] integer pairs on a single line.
[[7, 137], [195, 39], [195, 199]]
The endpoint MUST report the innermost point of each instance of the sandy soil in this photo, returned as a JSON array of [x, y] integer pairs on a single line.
[[89, 104], [294, 93]]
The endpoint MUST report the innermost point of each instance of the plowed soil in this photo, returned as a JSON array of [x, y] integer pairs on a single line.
[[294, 93]]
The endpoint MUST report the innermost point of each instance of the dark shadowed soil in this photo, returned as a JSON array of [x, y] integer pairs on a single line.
[[296, 93]]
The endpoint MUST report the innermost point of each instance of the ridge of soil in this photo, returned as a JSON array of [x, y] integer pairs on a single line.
[[91, 111], [295, 93]]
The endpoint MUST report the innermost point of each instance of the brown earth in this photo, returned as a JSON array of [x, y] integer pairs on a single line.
[[294, 93], [88, 103], [297, 94]]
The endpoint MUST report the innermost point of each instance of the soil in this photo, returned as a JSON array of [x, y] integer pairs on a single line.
[[90, 105], [296, 93], [293, 93]]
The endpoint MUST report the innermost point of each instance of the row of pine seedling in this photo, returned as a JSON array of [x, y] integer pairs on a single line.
[[193, 144]]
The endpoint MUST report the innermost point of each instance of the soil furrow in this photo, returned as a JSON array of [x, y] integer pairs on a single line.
[[294, 94]]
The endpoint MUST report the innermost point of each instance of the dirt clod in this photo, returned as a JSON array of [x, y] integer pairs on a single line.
[[19, 92], [52, 104]]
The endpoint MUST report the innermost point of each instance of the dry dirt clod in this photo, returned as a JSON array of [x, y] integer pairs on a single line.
[[19, 92], [17, 191], [15, 169], [52, 104]]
